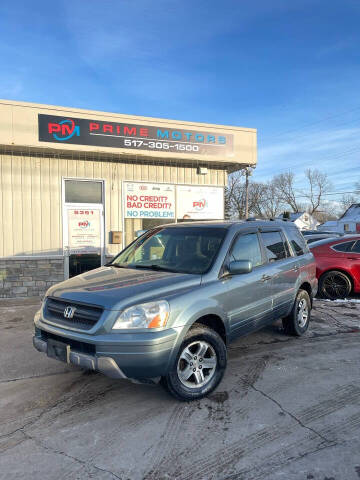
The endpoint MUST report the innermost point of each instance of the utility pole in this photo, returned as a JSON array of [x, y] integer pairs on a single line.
[[247, 174]]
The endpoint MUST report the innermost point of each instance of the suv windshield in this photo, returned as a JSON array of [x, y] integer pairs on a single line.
[[183, 249]]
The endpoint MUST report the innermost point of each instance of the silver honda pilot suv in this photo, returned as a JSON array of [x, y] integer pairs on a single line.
[[168, 305]]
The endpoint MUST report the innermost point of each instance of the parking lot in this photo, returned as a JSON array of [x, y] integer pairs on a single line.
[[287, 408]]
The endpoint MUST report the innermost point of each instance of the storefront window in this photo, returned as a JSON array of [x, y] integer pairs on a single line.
[[77, 191]]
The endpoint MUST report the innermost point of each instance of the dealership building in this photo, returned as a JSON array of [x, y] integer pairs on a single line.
[[76, 186]]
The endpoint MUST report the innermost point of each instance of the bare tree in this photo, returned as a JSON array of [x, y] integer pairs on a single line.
[[346, 201], [328, 211], [319, 186], [274, 204], [235, 198], [267, 204], [258, 199], [268, 200], [284, 189], [229, 196]]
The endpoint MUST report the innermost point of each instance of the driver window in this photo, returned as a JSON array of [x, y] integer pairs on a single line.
[[246, 247]]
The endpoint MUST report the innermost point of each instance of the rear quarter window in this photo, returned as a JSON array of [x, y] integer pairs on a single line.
[[356, 248], [343, 247]]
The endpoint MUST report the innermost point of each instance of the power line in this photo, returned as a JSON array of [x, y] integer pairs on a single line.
[[315, 123], [356, 192], [319, 130], [329, 157], [337, 156]]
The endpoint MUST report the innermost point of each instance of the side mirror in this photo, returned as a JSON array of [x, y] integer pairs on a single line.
[[239, 267]]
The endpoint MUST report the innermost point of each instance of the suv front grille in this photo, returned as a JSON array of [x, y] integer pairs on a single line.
[[84, 317]]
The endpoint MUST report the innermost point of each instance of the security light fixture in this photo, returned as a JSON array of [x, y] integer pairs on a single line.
[[202, 170]]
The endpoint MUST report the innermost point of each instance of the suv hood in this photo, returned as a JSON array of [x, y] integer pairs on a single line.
[[115, 288]]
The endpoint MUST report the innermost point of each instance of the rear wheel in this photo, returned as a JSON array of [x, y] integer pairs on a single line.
[[199, 365], [334, 284], [298, 321]]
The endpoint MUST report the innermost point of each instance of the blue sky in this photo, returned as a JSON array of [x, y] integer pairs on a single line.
[[291, 69]]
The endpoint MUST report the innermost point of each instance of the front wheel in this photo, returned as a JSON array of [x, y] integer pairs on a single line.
[[298, 321], [199, 365]]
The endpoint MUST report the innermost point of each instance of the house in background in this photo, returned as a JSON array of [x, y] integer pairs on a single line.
[[348, 223], [303, 220]]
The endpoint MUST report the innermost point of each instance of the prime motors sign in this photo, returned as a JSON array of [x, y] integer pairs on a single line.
[[80, 131]]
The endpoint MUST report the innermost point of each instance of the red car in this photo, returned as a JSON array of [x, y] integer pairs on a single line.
[[337, 266]]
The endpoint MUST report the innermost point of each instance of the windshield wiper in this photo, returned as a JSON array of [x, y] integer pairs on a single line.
[[117, 265], [159, 268]]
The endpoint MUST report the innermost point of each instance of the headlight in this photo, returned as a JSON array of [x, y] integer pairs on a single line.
[[145, 315]]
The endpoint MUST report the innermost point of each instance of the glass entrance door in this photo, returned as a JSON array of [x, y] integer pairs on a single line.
[[80, 263], [83, 226], [84, 243]]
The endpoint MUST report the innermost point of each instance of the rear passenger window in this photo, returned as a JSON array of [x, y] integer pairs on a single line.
[[247, 247], [297, 241], [356, 248], [343, 247], [274, 245]]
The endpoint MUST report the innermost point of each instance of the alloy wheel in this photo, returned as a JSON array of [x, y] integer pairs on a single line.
[[302, 313], [197, 364], [335, 286]]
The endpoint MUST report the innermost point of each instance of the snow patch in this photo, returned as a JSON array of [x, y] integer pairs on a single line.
[[342, 300]]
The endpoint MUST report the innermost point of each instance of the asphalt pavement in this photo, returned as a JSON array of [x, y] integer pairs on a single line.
[[288, 408]]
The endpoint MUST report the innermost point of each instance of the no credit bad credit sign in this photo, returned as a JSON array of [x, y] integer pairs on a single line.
[[149, 200]]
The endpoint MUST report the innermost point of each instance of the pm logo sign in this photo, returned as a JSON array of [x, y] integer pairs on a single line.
[[63, 130], [200, 205]]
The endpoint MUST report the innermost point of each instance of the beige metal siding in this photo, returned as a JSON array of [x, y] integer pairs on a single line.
[[31, 197]]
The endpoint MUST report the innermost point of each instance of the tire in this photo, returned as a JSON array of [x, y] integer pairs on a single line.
[[185, 384], [334, 284], [298, 321]]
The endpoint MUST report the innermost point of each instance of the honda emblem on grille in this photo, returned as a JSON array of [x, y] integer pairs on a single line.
[[69, 312]]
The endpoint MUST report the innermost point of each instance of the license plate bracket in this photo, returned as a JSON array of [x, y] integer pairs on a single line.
[[58, 350]]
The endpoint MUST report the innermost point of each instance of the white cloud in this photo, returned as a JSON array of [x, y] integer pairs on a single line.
[[333, 151], [323, 141], [336, 47]]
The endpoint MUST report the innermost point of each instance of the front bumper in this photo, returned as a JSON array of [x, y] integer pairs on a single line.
[[105, 365], [142, 355]]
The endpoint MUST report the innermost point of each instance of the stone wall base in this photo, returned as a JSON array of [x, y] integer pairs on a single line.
[[29, 277]]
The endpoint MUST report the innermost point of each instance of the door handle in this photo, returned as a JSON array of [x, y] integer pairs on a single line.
[[352, 258], [265, 278]]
